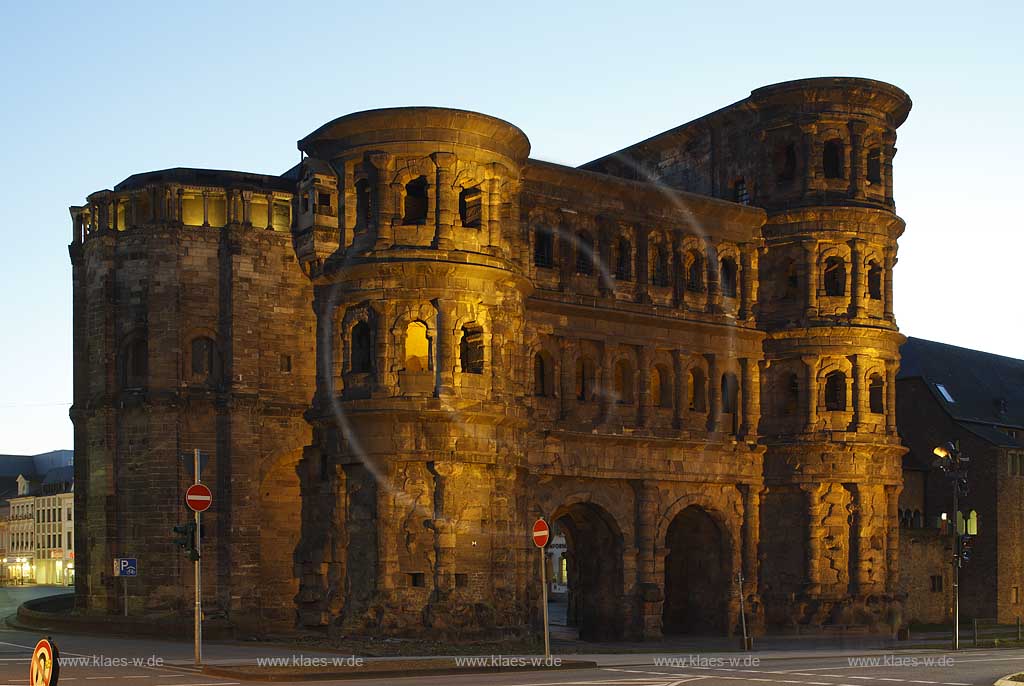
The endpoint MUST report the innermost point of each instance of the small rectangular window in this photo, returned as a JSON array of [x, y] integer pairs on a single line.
[[945, 393], [461, 580], [417, 579], [1015, 595], [936, 583], [323, 199], [286, 364]]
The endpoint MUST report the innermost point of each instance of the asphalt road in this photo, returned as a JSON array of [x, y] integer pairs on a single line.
[[150, 662]]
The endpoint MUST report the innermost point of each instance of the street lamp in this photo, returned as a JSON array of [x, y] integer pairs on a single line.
[[950, 460]]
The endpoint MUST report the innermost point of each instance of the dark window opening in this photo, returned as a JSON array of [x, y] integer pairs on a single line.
[[875, 165], [835, 392], [698, 394], [791, 403], [286, 364], [135, 364], [362, 205], [740, 193], [728, 277], [471, 350], [792, 284], [876, 397], [471, 207], [661, 387], [832, 159], [461, 580], [730, 393], [323, 199], [936, 583], [584, 254], [695, 273], [543, 247], [542, 384], [416, 201], [874, 281], [417, 579], [785, 162], [624, 382], [835, 277], [585, 375], [305, 203], [623, 260], [362, 347], [204, 359], [660, 276]]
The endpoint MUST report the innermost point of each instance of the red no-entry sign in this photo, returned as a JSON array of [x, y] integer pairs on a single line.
[[541, 533], [198, 498]]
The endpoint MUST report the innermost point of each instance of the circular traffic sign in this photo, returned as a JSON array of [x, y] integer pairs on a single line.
[[45, 666], [198, 498], [541, 533]]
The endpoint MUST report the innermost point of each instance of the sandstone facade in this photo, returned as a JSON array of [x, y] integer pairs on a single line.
[[683, 355]]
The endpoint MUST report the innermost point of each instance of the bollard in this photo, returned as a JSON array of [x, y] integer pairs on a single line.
[[975, 623], [1018, 628]]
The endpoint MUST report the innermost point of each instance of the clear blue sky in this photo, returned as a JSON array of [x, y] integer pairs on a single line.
[[96, 92]]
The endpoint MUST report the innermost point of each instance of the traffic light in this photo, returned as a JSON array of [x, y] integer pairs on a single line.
[[186, 539], [966, 547]]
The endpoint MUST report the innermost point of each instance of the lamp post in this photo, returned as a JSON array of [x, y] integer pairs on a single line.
[[950, 460]]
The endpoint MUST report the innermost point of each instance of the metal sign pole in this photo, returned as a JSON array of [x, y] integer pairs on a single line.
[[199, 586], [743, 613], [124, 582], [544, 604]]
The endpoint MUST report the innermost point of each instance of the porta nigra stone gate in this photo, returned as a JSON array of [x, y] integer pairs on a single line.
[[401, 352]]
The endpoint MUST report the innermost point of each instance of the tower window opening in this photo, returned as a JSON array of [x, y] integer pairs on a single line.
[[416, 201], [585, 379], [876, 394], [204, 358], [791, 402], [543, 247], [624, 382], [471, 350], [832, 159], [792, 284], [362, 205], [730, 393], [875, 165], [323, 199], [623, 260], [697, 392], [874, 281], [417, 348], [584, 254], [728, 277], [740, 193], [695, 272], [542, 376], [305, 203], [135, 363], [660, 277], [835, 392], [785, 162], [835, 277], [471, 207], [362, 348], [661, 386]]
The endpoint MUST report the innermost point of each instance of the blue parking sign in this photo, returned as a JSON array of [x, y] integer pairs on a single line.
[[126, 566]]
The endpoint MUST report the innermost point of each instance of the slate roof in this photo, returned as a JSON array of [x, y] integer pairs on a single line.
[[987, 390], [54, 467]]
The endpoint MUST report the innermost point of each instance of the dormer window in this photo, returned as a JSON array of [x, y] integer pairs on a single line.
[[945, 394]]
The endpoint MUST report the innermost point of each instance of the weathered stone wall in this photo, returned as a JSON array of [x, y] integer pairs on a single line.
[[926, 554]]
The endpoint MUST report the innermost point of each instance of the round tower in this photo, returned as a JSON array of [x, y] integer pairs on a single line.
[[833, 464], [409, 488]]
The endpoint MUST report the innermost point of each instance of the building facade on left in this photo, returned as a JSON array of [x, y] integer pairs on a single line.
[[37, 519]]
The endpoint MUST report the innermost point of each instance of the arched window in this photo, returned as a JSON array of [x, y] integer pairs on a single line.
[[204, 360], [584, 254], [623, 260], [697, 392], [585, 375], [874, 280], [134, 363], [418, 351], [542, 376], [730, 393], [362, 204], [362, 349], [835, 392], [740, 193], [543, 247], [972, 523], [471, 207], [659, 267], [785, 162], [694, 272], [471, 350], [416, 201], [875, 165], [835, 276], [832, 159], [728, 277], [624, 382], [791, 400], [876, 394], [661, 386]]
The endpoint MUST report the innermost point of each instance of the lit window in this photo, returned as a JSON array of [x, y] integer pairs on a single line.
[[945, 393]]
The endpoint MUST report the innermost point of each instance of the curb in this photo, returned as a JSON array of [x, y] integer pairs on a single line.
[[391, 673], [1008, 680]]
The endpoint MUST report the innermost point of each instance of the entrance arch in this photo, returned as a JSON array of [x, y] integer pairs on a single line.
[[594, 574], [698, 573]]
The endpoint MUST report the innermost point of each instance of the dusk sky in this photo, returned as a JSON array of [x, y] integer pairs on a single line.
[[98, 92]]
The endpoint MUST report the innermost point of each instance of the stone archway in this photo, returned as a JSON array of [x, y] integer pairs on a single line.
[[698, 573], [594, 570]]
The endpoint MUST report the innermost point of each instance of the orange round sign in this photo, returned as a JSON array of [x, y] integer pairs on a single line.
[[198, 498], [541, 533], [45, 667]]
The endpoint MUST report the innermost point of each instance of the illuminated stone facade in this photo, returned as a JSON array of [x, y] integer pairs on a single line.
[[681, 354]]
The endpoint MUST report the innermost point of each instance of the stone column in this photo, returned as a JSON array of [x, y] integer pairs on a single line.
[[447, 356], [206, 209], [678, 390], [607, 382], [714, 294], [444, 525], [890, 263], [858, 277], [270, 211], [811, 363], [115, 205], [491, 215], [811, 269], [445, 162], [678, 271], [748, 368], [644, 395], [859, 396], [809, 133], [892, 537], [856, 129], [748, 277], [642, 271], [385, 205], [133, 210], [179, 214], [567, 378], [888, 152], [649, 590], [714, 392], [247, 209], [891, 367], [751, 532], [815, 533], [857, 570]]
